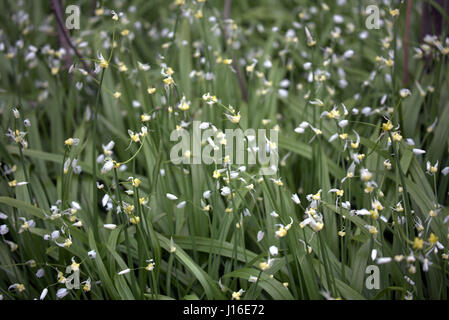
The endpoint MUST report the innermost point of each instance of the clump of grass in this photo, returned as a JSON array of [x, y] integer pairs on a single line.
[[89, 185]]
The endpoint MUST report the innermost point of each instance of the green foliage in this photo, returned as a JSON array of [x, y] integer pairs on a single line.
[[210, 247]]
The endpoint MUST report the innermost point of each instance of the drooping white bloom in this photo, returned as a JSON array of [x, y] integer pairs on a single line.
[[110, 226], [295, 198], [445, 171], [365, 174], [274, 214], [343, 123], [418, 151], [404, 92], [302, 127], [383, 260], [373, 254], [181, 205], [40, 273], [346, 205], [362, 212], [124, 272], [171, 196], [75, 205], [105, 200], [61, 293], [260, 235], [4, 229], [142, 66], [206, 194], [225, 191], [108, 165], [92, 254], [43, 294], [274, 251], [55, 235]]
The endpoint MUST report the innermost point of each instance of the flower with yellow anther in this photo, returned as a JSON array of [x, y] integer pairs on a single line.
[[264, 266], [169, 81], [136, 182], [184, 105], [74, 266], [216, 174], [418, 243], [394, 12], [134, 220], [67, 243], [387, 126], [87, 286], [234, 118], [372, 229], [135, 137], [237, 295], [397, 136], [433, 239]]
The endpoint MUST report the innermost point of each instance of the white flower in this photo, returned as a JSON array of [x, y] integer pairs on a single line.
[[260, 235], [108, 165], [55, 235], [40, 273], [143, 67], [43, 294], [92, 254], [418, 151], [404, 93], [363, 212], [171, 196], [445, 171], [373, 254], [365, 174], [4, 216], [225, 191], [274, 214], [295, 198], [61, 293], [204, 125], [105, 200], [283, 93], [348, 54], [124, 272], [274, 250], [346, 205], [181, 205], [75, 205], [383, 260], [206, 194], [343, 123], [16, 113], [110, 226], [267, 64], [432, 169], [4, 229]]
